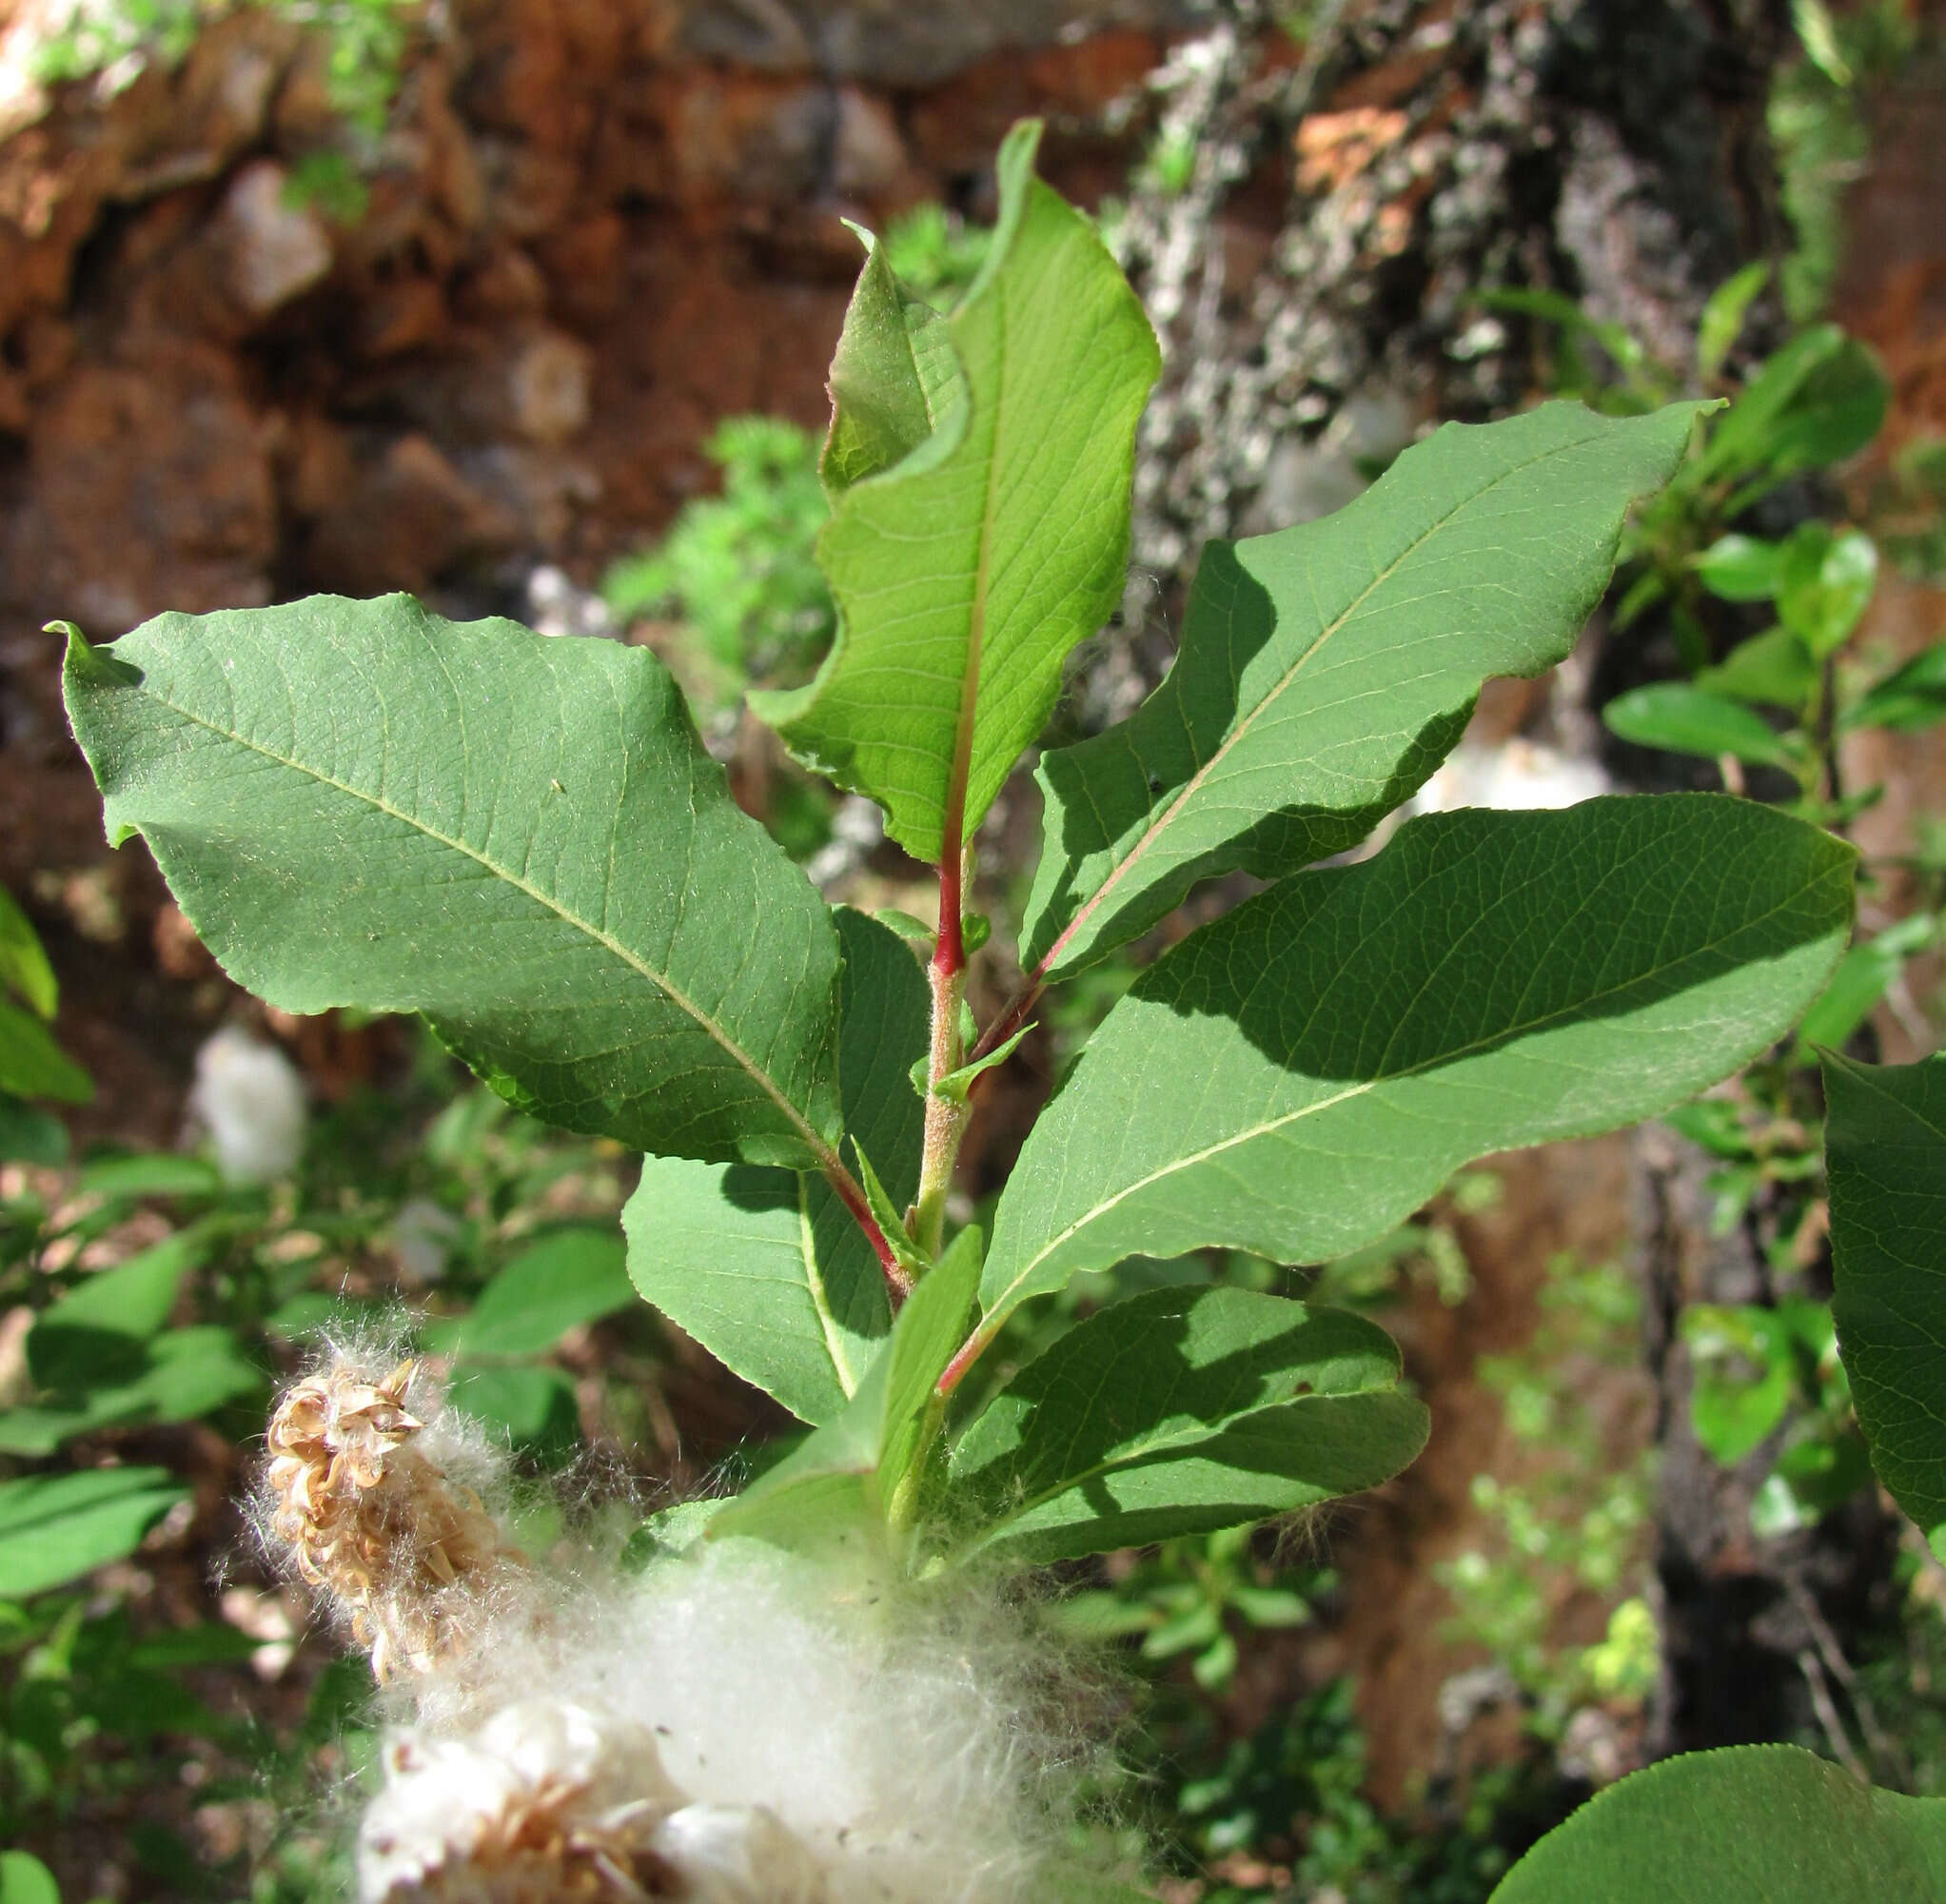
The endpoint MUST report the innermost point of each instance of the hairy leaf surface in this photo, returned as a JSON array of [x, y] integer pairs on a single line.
[[1181, 1410], [966, 571], [1885, 1150], [1298, 1076], [766, 1268], [358, 803], [1327, 669]]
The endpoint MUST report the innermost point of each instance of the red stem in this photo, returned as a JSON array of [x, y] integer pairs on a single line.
[[969, 1352], [853, 1199]]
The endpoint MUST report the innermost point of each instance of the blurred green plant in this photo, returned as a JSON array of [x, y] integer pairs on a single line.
[[1575, 1521], [736, 570], [935, 252]]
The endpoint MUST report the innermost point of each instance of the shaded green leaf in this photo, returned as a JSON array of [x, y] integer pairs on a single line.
[[1721, 323], [1885, 1154], [572, 1277], [24, 967], [32, 1065], [358, 803], [94, 1333], [1687, 719], [1302, 1074], [1327, 670], [1909, 698], [1775, 668], [965, 573], [31, 1136], [767, 1269], [1181, 1410], [1753, 1824], [53, 1527]]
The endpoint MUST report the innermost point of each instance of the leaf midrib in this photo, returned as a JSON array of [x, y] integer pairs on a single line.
[[1324, 637], [818, 1147], [1479, 1045]]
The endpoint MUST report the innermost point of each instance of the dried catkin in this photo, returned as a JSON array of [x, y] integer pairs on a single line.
[[371, 1517]]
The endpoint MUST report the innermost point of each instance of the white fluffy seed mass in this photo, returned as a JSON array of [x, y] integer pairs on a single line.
[[734, 1725], [839, 1736]]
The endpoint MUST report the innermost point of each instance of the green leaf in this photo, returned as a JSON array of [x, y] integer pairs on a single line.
[[95, 1334], [1825, 584], [1744, 1376], [358, 803], [1721, 323], [1862, 978], [1908, 699], [1686, 720], [1774, 668], [955, 1085], [24, 1879], [532, 1408], [32, 1065], [895, 379], [1302, 1074], [1181, 1410], [192, 1372], [150, 1175], [1739, 568], [572, 1277], [965, 573], [1753, 1824], [930, 1328], [31, 1136], [1885, 1154], [849, 1474], [1773, 418], [55, 1526], [1327, 670], [767, 1269], [24, 965], [887, 1214]]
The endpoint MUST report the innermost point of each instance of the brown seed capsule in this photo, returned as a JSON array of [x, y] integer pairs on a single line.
[[370, 1520]]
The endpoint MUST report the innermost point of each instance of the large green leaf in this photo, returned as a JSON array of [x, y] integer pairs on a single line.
[[1300, 1075], [1755, 1824], [358, 803], [1327, 670], [851, 1473], [1885, 1152], [965, 571], [1181, 1410], [55, 1526], [766, 1268]]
